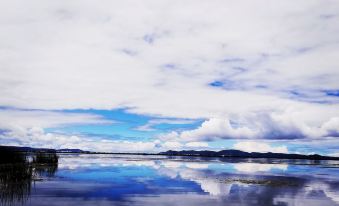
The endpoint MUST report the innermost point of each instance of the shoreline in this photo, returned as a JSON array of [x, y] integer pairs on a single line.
[[205, 156]]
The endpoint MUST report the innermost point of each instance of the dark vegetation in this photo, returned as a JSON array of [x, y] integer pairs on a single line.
[[19, 168]]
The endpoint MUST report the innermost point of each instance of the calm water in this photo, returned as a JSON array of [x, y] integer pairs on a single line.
[[158, 180]]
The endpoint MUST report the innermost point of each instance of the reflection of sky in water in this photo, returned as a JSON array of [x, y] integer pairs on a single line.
[[144, 180]]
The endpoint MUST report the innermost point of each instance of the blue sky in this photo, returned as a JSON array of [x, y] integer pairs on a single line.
[[158, 75], [124, 126]]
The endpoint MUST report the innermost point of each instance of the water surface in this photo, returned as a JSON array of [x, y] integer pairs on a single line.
[[89, 179]]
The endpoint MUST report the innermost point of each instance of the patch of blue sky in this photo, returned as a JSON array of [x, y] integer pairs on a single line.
[[216, 84], [332, 92], [119, 115], [120, 129], [123, 127], [305, 149], [225, 84], [222, 144], [114, 132], [300, 95], [170, 127], [312, 96]]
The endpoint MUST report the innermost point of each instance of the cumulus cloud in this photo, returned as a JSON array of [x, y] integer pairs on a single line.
[[259, 147], [26, 127], [37, 137], [175, 145], [289, 124], [172, 145], [196, 144]]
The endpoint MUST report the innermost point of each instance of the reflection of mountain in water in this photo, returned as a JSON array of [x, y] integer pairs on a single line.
[[19, 169]]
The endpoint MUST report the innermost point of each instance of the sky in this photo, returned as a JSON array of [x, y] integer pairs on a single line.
[[149, 76]]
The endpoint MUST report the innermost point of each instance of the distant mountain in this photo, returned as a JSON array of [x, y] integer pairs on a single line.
[[204, 153], [238, 153], [30, 149]]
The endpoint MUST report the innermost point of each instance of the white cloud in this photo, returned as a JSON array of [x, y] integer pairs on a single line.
[[172, 145], [41, 71], [13, 118], [334, 154], [26, 128], [172, 164], [325, 188], [258, 167], [217, 128], [158, 58], [196, 165], [178, 145], [196, 144], [289, 124], [37, 137], [248, 146], [209, 185]]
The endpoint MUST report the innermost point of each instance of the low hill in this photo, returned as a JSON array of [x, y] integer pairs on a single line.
[[238, 153]]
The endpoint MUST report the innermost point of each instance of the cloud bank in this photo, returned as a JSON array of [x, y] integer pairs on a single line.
[[250, 69]]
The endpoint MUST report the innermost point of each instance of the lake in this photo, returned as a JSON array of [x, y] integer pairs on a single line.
[[91, 179]]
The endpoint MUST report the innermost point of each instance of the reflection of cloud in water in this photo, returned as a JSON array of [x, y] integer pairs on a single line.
[[207, 183], [332, 193], [211, 181], [214, 188], [172, 164], [258, 167], [74, 162], [196, 165], [192, 171]]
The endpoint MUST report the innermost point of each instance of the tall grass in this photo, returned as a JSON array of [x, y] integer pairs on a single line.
[[17, 173]]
